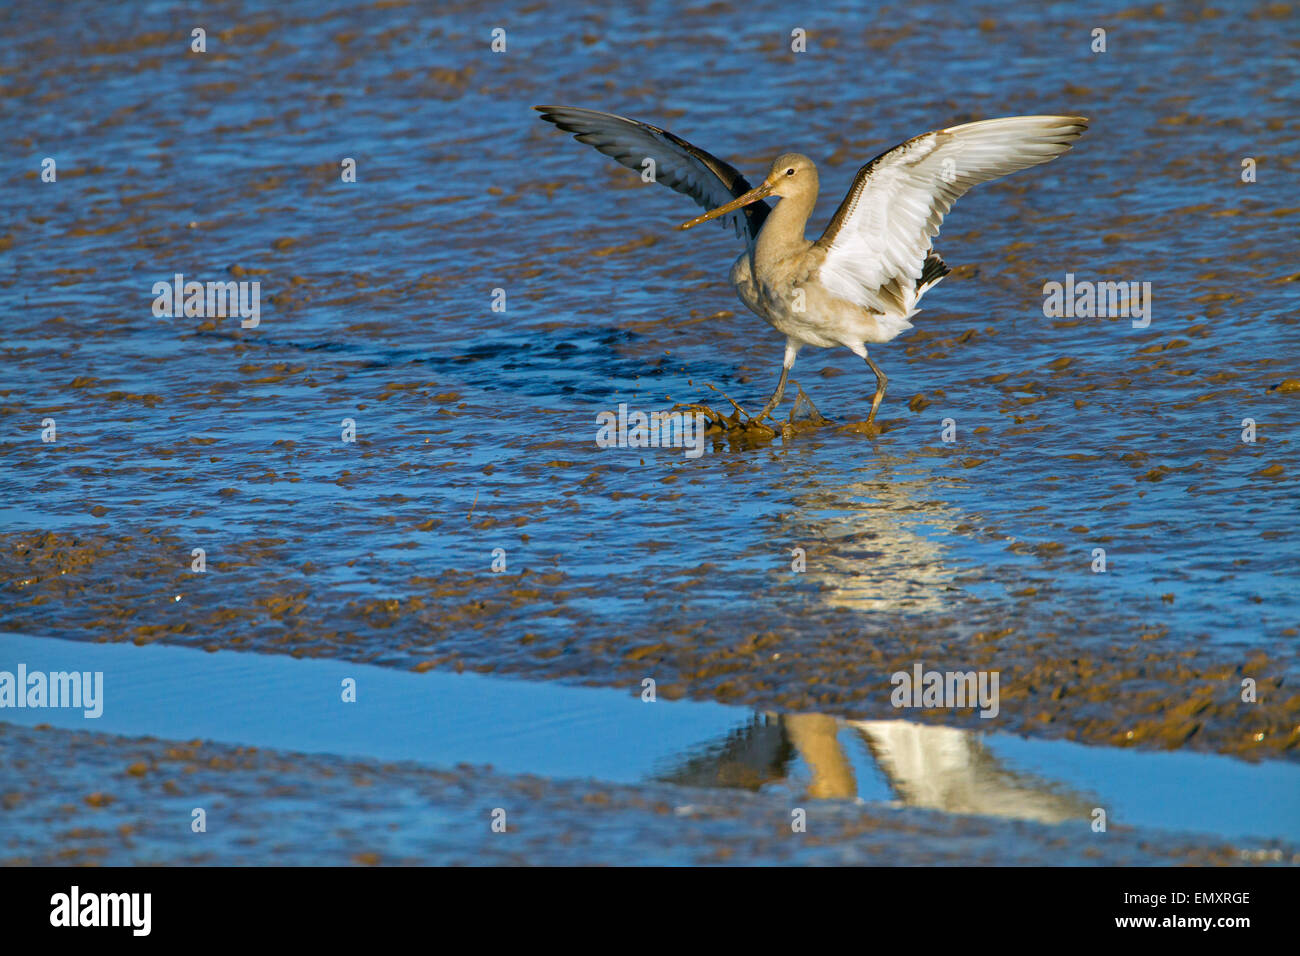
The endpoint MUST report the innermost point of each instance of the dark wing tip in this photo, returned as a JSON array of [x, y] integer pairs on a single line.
[[552, 114]]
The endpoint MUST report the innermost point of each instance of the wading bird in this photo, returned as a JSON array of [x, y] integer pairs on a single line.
[[861, 281]]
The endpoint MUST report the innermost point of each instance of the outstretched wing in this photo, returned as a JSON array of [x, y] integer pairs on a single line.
[[678, 165], [877, 242]]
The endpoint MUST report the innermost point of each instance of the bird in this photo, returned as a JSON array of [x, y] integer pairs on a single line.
[[860, 283]]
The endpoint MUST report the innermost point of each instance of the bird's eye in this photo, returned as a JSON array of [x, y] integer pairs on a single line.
[[790, 171]]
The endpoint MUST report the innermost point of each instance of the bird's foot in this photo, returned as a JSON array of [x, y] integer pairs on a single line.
[[804, 410], [714, 417], [803, 417], [736, 421]]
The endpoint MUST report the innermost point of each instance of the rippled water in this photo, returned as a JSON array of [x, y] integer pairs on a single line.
[[476, 429]]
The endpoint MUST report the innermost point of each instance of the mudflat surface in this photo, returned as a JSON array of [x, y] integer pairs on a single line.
[[476, 429], [111, 801]]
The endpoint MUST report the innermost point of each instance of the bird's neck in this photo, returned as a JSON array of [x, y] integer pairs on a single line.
[[782, 233]]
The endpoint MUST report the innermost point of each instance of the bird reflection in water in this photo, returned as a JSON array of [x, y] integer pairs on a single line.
[[932, 767]]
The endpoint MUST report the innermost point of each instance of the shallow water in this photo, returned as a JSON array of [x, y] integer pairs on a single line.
[[476, 429], [271, 702]]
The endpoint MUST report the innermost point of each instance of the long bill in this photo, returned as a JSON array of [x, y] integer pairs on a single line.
[[754, 195]]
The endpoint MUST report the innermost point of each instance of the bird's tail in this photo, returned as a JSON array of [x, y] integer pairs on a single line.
[[933, 270]]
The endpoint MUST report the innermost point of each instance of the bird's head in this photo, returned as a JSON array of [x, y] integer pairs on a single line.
[[791, 174]]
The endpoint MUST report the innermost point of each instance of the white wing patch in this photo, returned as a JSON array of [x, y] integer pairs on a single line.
[[877, 242]]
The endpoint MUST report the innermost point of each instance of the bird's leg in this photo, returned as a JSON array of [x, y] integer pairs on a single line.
[[881, 382], [791, 350], [775, 400]]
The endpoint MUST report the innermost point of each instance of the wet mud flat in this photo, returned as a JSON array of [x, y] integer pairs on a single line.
[[476, 429], [1147, 690], [75, 798], [338, 708]]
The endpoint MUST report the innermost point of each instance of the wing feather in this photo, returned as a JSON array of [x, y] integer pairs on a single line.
[[678, 164], [877, 241]]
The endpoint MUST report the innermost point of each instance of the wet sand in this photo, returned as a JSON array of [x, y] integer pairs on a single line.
[[476, 429], [81, 798]]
